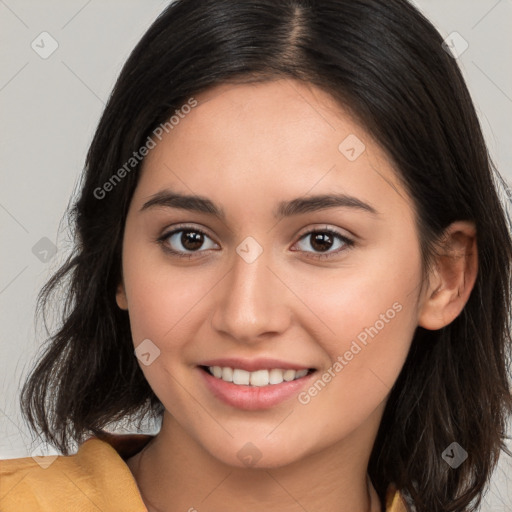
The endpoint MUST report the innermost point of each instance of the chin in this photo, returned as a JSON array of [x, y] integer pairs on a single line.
[[256, 454]]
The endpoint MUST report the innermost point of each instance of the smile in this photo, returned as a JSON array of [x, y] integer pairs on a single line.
[[254, 390], [257, 378]]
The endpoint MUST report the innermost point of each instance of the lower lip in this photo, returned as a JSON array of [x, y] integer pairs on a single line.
[[253, 398]]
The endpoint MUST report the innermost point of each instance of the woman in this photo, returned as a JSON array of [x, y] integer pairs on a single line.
[[291, 250]]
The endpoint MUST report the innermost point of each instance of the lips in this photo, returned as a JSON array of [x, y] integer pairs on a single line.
[[254, 384]]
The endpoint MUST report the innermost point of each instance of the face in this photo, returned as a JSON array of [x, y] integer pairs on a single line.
[[262, 277]]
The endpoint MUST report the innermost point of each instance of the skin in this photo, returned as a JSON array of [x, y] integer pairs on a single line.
[[248, 147]]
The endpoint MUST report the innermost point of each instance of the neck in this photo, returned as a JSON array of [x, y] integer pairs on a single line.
[[174, 472]]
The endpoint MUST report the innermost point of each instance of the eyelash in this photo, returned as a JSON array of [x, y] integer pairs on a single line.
[[347, 241]]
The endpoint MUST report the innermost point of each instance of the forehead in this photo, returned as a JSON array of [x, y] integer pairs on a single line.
[[279, 138], [256, 118]]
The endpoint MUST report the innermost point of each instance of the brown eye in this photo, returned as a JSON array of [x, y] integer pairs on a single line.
[[186, 241], [322, 241], [191, 240]]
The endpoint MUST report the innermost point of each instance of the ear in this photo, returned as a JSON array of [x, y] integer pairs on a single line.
[[121, 299], [452, 278]]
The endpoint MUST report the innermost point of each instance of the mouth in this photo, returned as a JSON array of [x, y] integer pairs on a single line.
[[260, 389], [254, 384], [258, 378]]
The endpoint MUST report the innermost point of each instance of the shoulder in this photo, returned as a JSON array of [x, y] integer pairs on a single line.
[[95, 478]]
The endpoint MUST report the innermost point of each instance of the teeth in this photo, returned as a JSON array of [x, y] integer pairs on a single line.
[[240, 376], [227, 374], [275, 376], [258, 378], [289, 375]]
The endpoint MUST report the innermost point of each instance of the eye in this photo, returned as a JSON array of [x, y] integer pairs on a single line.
[[324, 239], [185, 241]]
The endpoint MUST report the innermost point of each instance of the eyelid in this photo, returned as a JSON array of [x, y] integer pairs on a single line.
[[344, 233], [168, 231]]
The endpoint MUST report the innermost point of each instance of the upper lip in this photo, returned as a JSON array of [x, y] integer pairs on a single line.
[[252, 365]]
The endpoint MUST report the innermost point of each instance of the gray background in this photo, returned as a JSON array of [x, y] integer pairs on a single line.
[[50, 108]]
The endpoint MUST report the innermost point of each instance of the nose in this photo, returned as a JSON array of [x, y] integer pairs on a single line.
[[251, 303]]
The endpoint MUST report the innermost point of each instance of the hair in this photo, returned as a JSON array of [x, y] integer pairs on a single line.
[[384, 62]]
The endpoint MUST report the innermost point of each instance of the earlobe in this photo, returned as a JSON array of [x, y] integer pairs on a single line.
[[121, 300], [453, 277]]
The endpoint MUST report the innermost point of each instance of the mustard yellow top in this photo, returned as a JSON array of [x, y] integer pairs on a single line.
[[94, 479]]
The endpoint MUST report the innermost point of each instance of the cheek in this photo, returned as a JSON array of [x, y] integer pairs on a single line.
[[368, 315], [367, 352], [160, 301], [375, 294], [157, 306], [160, 295]]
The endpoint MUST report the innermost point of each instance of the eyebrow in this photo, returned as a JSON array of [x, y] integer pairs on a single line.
[[171, 199]]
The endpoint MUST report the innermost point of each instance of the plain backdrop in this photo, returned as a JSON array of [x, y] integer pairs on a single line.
[[49, 110]]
